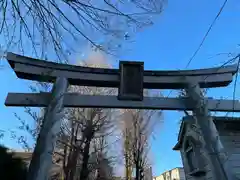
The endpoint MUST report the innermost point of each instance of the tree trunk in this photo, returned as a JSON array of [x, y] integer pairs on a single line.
[[137, 172], [84, 169], [73, 164]]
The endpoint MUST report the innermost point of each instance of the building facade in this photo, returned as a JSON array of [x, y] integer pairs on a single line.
[[173, 174], [194, 158]]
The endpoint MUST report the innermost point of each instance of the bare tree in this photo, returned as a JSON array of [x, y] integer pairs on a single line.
[[86, 126], [61, 27], [84, 134], [103, 161], [138, 127], [127, 144]]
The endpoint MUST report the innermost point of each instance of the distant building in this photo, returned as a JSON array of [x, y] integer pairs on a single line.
[[173, 174]]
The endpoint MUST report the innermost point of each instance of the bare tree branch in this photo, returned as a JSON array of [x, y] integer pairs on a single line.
[[59, 27]]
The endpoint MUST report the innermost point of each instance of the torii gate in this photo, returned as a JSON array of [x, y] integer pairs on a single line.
[[131, 79]]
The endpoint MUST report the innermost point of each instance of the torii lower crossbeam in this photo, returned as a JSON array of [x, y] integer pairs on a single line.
[[87, 101]]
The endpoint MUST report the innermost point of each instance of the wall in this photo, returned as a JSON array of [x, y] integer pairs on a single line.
[[26, 157], [173, 174], [230, 137], [182, 174]]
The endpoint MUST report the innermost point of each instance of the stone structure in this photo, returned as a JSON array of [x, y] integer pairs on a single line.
[[130, 79], [195, 159], [173, 174]]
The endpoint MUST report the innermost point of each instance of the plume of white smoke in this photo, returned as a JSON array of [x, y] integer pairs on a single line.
[[94, 58]]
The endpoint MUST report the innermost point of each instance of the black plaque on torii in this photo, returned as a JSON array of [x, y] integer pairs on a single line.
[[131, 80]]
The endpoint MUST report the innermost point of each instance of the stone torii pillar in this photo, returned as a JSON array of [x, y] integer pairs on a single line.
[[213, 147], [41, 161]]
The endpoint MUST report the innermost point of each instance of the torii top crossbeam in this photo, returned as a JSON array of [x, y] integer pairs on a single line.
[[34, 69]]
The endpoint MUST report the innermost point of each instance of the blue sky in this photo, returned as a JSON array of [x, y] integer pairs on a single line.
[[168, 44], [171, 42]]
